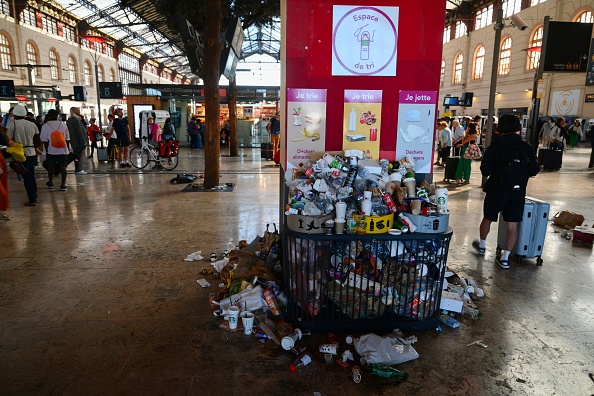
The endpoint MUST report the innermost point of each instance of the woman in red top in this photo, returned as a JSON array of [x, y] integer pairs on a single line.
[[94, 132]]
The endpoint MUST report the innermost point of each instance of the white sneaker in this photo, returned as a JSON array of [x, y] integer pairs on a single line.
[[82, 172]]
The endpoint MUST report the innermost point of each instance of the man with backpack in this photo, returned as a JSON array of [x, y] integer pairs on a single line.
[[508, 162]]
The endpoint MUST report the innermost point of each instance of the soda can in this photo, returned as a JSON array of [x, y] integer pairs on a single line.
[[429, 211]]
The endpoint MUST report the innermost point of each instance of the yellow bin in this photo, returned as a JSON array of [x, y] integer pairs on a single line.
[[377, 224]]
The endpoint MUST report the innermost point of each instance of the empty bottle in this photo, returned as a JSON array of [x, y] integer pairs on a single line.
[[383, 371], [301, 362], [353, 121]]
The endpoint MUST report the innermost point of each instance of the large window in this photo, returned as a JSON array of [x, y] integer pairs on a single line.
[[585, 17], [87, 72], [72, 70], [4, 7], [54, 65], [28, 17], [32, 57], [50, 24], [458, 63], [534, 50], [505, 57], [479, 63], [484, 17], [101, 74], [447, 33], [5, 53], [461, 29], [511, 7], [442, 73], [68, 33]]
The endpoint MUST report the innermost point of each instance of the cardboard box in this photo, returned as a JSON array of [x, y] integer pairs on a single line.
[[430, 224], [568, 219], [308, 224], [451, 301], [377, 224], [583, 234], [372, 166]]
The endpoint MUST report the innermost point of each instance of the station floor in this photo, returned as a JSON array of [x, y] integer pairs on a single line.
[[96, 299]]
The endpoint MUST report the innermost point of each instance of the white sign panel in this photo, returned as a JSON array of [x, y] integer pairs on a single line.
[[565, 103], [364, 41]]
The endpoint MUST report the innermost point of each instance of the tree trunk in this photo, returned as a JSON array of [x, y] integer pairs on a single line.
[[232, 102], [212, 100]]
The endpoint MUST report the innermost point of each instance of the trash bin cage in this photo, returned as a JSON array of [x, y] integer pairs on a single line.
[[364, 282]]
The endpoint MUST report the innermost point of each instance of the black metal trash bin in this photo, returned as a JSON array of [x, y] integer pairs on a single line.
[[364, 282]]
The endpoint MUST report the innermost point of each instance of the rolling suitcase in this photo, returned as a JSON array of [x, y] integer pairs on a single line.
[[451, 167], [531, 231], [551, 159], [266, 151], [102, 154]]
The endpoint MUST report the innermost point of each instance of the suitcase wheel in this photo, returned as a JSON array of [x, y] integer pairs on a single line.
[[539, 261]]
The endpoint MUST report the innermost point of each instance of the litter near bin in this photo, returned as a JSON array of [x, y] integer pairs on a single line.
[[196, 256]]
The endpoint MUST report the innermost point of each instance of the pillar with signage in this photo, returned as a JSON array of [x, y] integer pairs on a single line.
[[373, 49]]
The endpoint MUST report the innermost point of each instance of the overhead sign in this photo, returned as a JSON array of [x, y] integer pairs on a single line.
[[7, 88], [563, 55], [110, 90], [364, 40]]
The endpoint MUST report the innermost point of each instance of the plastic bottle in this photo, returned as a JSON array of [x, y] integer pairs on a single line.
[[407, 222], [384, 371], [353, 120], [389, 202], [301, 362], [307, 169], [272, 302], [400, 225]]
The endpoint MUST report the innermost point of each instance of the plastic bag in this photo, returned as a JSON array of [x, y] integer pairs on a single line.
[[249, 299], [385, 350]]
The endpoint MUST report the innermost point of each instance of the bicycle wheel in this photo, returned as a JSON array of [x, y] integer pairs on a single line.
[[139, 158], [169, 163]]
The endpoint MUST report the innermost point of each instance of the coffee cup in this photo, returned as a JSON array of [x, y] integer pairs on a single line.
[[396, 178], [442, 201], [339, 226], [410, 184], [247, 318], [289, 341], [415, 206], [367, 195], [233, 317], [340, 210], [329, 226]]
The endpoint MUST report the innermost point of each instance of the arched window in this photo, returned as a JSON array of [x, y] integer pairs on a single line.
[[461, 29], [111, 75], [87, 72], [505, 57], [54, 65], [71, 69], [479, 63], [442, 73], [447, 33], [5, 53], [101, 73], [585, 17], [32, 57], [458, 62], [534, 49]]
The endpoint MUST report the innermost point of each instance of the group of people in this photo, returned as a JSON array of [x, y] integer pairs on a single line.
[[196, 129], [459, 137], [556, 135]]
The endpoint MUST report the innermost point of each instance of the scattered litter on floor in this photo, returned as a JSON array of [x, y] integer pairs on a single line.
[[183, 178], [227, 187], [196, 256], [478, 343]]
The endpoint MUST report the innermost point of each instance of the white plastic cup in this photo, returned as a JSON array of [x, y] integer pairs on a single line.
[[340, 210], [367, 195], [396, 178], [410, 183], [233, 317], [366, 207], [247, 318], [288, 342], [353, 161], [442, 200]]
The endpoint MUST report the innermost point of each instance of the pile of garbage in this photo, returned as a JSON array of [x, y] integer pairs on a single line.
[[457, 299], [355, 192]]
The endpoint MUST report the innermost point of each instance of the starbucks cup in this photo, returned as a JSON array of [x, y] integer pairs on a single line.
[[233, 317], [442, 201]]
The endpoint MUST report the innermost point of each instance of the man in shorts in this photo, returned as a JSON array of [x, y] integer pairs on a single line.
[[122, 130], [500, 198]]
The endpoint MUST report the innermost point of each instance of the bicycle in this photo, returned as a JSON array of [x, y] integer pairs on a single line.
[[141, 155]]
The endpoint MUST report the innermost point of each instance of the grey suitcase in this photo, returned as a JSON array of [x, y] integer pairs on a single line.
[[531, 231], [102, 154]]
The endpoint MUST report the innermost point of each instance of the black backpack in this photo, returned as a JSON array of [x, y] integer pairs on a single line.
[[513, 171]]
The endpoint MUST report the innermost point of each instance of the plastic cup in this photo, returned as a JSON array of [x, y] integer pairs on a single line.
[[288, 342], [233, 317], [340, 210], [366, 206], [415, 207], [367, 195], [410, 183], [339, 226], [396, 178], [247, 318], [442, 200]]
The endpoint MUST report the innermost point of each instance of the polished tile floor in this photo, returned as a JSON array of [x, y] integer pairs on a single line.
[[95, 297]]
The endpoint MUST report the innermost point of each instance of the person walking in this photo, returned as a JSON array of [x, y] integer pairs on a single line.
[[444, 138], [275, 132], [465, 164], [122, 130], [202, 130], [94, 133], [458, 133], [56, 139], [23, 131], [78, 139], [194, 132], [168, 130], [575, 133], [508, 162]]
